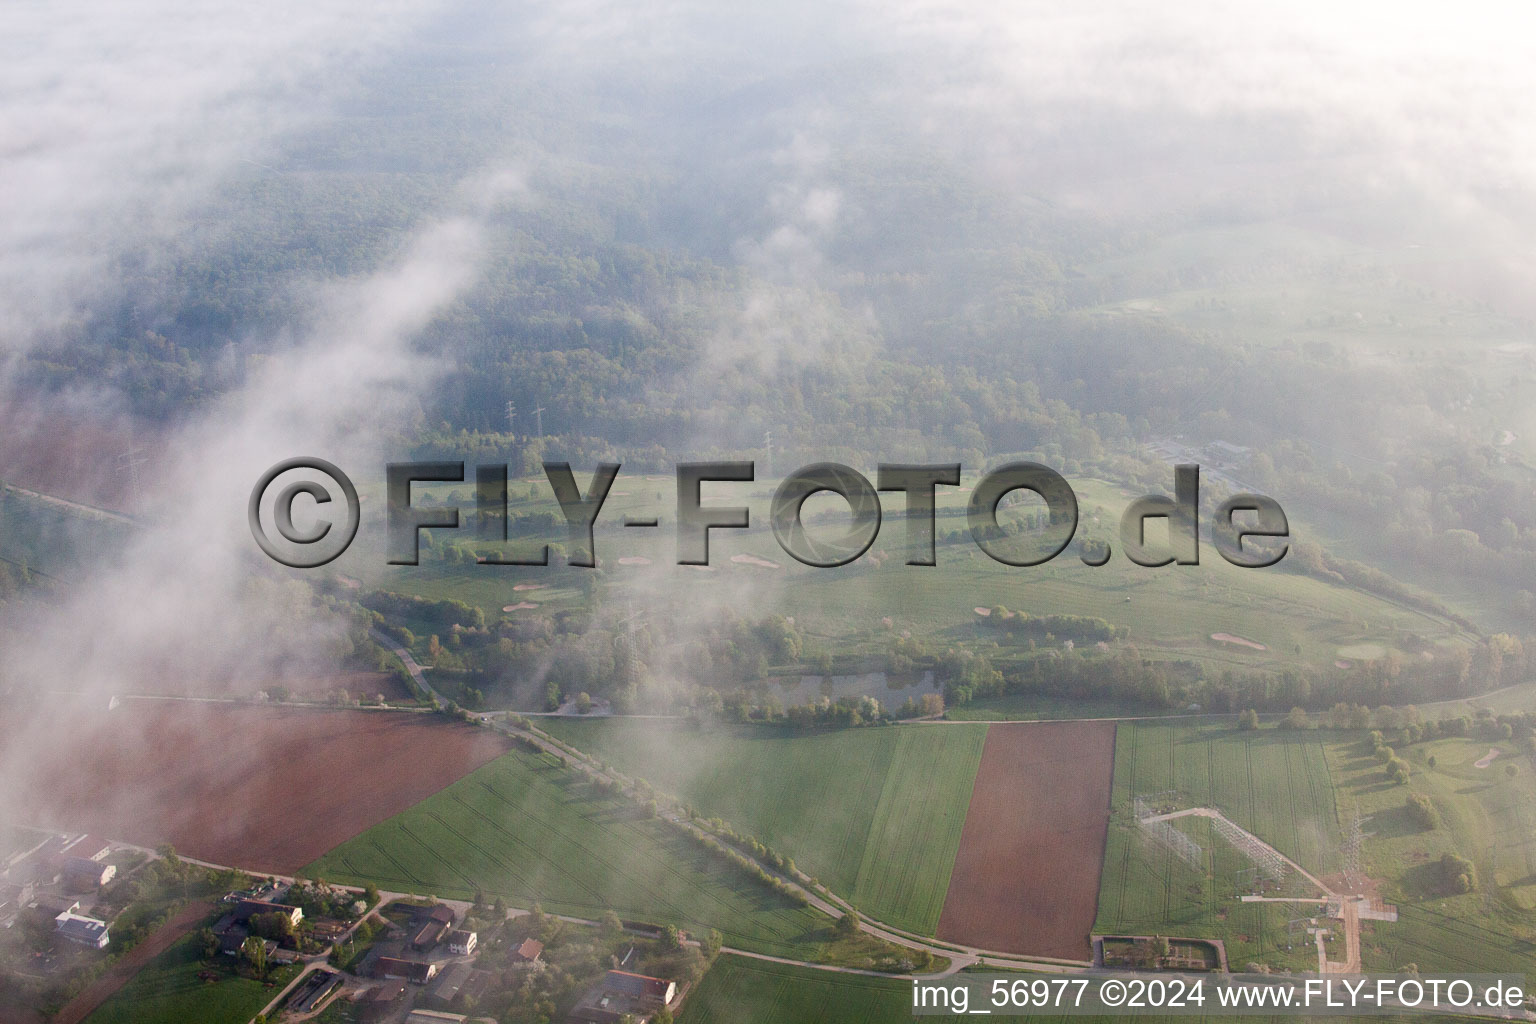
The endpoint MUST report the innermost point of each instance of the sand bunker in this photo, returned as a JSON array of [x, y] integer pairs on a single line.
[[982, 611], [1340, 664], [520, 606], [701, 568], [1487, 759], [530, 586], [1241, 641], [634, 560], [761, 563]]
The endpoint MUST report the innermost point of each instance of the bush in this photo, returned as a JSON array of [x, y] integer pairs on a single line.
[[1248, 720], [1459, 874], [1423, 811]]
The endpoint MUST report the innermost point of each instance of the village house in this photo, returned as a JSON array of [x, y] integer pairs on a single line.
[[431, 927], [86, 931], [417, 972], [462, 941], [621, 994]]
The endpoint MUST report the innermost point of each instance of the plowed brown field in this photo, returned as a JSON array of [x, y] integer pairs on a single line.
[[269, 789], [1026, 877]]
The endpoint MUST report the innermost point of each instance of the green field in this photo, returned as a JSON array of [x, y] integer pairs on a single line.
[[741, 991], [1170, 612], [1034, 707], [1275, 784], [524, 828], [874, 813], [168, 991], [1487, 817], [1521, 697]]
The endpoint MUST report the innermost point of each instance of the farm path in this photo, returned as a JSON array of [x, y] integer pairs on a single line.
[[816, 896], [409, 662], [1348, 904], [119, 974], [1211, 812]]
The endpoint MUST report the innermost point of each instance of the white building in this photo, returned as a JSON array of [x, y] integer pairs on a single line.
[[87, 931]]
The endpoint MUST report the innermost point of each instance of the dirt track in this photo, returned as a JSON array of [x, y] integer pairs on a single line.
[[1026, 877], [266, 788], [84, 1004]]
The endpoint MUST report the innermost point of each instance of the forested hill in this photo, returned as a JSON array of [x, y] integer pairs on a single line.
[[689, 273]]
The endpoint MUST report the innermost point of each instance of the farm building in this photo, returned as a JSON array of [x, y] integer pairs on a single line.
[[621, 993], [462, 941], [87, 931], [313, 993], [431, 926], [85, 847], [232, 942], [529, 952], [417, 972], [457, 980], [380, 1003], [49, 906], [247, 909], [81, 873], [434, 1017], [13, 897]]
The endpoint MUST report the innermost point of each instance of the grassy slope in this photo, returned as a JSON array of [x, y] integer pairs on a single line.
[[168, 991], [874, 813], [1275, 784], [524, 828], [1170, 612], [1486, 817]]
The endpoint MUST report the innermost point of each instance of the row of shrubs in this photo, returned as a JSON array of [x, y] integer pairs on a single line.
[[1397, 769], [748, 866]]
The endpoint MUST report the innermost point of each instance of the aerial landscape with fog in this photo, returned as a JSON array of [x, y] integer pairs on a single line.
[[845, 500]]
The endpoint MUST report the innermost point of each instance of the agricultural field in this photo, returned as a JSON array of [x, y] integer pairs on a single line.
[[1486, 816], [1027, 872], [1041, 707], [741, 991], [1170, 613], [873, 813], [531, 830], [153, 772], [169, 991], [1274, 783]]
